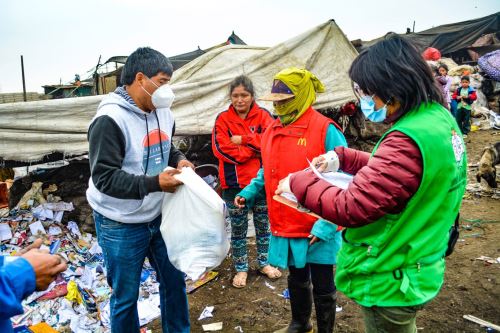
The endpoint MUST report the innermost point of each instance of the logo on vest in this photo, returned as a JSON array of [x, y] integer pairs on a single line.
[[458, 146], [302, 142]]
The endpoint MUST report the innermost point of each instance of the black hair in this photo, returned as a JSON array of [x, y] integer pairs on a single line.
[[147, 61], [394, 70], [443, 66], [466, 78], [244, 81]]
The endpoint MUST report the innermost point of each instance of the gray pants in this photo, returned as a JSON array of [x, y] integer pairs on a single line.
[[397, 319]]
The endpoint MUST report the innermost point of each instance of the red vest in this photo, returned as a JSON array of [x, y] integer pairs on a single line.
[[285, 150]]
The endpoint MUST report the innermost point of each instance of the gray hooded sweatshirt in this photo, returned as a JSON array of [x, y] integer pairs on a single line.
[[128, 148]]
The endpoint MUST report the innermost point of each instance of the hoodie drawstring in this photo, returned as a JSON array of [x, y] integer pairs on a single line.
[[147, 136], [159, 135]]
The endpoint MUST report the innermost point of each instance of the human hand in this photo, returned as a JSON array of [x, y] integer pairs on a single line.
[[168, 183], [35, 245], [284, 186], [236, 139], [313, 239], [320, 163], [185, 163], [328, 162], [239, 202], [45, 265]]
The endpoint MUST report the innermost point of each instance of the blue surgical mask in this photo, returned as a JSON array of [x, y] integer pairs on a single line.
[[368, 107]]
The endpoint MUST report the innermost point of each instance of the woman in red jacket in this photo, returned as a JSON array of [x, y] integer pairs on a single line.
[[236, 143]]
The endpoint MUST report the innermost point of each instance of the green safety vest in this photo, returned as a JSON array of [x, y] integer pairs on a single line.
[[398, 260]]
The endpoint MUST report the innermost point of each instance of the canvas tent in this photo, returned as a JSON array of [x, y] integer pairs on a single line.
[[182, 59], [107, 82], [31, 130], [453, 37]]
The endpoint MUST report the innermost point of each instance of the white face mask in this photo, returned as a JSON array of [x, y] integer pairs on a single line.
[[163, 97]]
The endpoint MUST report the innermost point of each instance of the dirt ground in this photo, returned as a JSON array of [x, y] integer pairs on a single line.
[[470, 287]]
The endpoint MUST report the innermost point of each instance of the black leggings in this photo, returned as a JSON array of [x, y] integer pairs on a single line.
[[320, 275]]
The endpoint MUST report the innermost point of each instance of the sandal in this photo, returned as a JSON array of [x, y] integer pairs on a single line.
[[240, 280], [271, 272]]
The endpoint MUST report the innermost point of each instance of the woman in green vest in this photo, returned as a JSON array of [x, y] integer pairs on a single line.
[[405, 196]]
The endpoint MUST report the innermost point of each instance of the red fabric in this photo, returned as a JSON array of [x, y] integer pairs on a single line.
[[381, 186], [348, 109], [286, 150], [431, 53], [238, 164], [351, 160]]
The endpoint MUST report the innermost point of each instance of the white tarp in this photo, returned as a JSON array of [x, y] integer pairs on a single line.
[[31, 130]]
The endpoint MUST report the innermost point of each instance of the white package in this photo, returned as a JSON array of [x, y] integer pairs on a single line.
[[193, 226]]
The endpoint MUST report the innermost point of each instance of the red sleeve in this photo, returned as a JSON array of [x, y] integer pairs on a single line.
[[472, 96], [351, 160], [224, 149], [252, 141], [383, 186], [455, 95]]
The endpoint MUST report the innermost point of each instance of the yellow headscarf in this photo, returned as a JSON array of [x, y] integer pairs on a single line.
[[304, 86]]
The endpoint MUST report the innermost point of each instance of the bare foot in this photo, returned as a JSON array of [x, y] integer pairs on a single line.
[[240, 280], [271, 272]]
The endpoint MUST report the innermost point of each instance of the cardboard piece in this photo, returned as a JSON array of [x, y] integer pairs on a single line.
[[209, 276], [295, 205]]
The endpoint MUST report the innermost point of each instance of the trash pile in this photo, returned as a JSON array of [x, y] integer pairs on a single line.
[[485, 110], [78, 301]]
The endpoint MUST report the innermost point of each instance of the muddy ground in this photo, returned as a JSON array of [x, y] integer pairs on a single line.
[[470, 287]]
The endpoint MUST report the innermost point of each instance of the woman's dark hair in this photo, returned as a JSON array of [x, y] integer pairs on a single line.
[[443, 66], [394, 70], [244, 81], [147, 61]]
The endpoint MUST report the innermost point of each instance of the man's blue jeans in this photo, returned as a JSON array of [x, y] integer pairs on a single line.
[[125, 246]]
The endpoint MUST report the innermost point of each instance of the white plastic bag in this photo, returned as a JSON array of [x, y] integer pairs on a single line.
[[193, 226]]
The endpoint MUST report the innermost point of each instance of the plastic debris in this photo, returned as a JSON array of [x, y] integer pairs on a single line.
[[42, 328], [489, 260], [270, 286], [286, 294], [73, 293], [78, 301], [212, 327], [207, 312]]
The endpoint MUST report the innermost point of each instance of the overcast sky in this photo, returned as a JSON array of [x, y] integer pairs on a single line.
[[60, 38]]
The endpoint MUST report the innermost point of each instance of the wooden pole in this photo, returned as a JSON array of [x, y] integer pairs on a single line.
[[24, 82]]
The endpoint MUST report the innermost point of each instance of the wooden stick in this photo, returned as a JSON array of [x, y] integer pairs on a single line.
[[482, 322]]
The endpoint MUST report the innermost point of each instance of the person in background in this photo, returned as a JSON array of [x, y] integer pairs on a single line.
[[445, 83], [236, 140], [300, 242], [31, 269], [405, 196], [130, 144], [465, 96]]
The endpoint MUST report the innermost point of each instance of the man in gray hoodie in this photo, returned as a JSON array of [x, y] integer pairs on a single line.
[[130, 144]]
